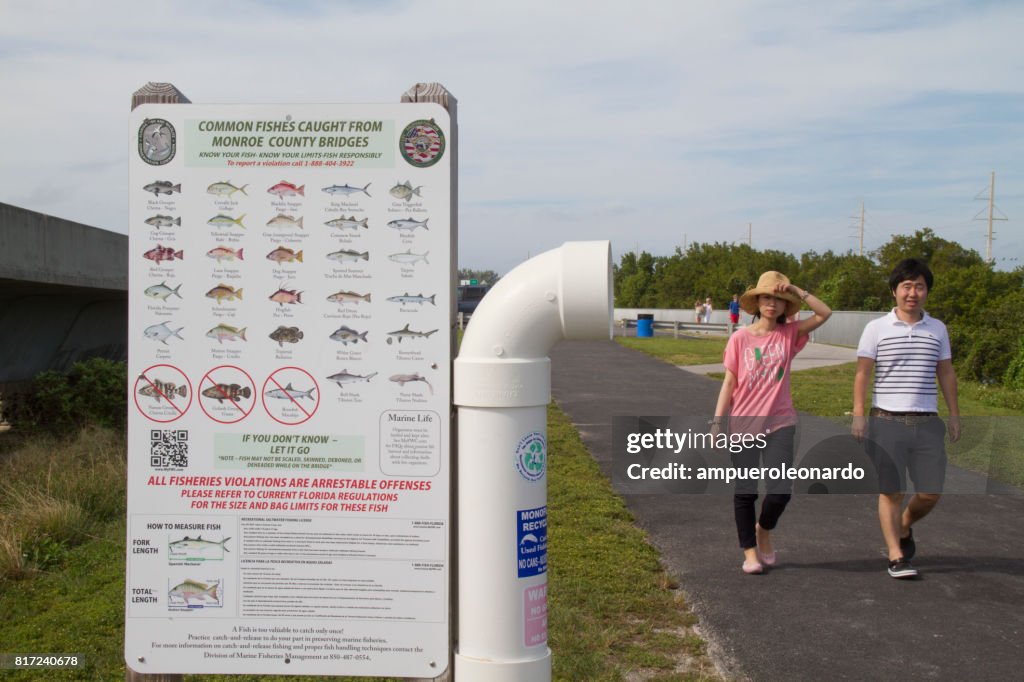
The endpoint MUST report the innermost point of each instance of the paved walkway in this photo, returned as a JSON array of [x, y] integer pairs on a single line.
[[828, 610], [813, 355]]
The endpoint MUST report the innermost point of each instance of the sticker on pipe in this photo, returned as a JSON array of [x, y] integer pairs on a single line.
[[532, 456], [535, 616], [532, 541]]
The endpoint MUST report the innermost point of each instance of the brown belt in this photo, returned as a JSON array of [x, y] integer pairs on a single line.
[[908, 418]]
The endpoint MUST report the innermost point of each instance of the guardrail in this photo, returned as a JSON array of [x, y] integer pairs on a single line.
[[724, 328], [843, 329], [676, 327]]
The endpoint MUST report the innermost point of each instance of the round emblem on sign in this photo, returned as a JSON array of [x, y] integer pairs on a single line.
[[157, 141], [532, 456], [422, 143]]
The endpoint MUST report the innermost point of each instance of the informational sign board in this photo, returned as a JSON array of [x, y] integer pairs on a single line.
[[289, 355]]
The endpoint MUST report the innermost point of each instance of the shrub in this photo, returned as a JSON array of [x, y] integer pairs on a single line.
[[93, 393], [1014, 377], [987, 345]]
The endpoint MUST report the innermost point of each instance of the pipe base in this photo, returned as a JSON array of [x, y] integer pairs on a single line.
[[469, 669]]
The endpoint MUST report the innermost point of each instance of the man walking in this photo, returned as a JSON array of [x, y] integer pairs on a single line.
[[907, 350], [734, 310]]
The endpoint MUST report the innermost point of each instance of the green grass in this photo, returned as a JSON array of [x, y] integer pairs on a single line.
[[988, 445], [614, 614], [828, 391], [62, 550], [53, 495], [76, 607], [825, 391], [684, 351], [991, 431], [614, 610]]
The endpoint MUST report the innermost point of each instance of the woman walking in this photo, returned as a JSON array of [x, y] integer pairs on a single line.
[[756, 395]]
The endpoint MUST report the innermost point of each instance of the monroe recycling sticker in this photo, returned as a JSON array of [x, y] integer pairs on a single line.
[[532, 456], [532, 541]]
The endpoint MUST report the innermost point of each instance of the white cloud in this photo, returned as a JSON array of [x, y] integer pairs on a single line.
[[637, 122]]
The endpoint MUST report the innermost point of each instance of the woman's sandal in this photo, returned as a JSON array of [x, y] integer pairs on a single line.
[[753, 567], [766, 558]]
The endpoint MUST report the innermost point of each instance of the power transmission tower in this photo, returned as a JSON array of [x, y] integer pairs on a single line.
[[991, 215], [861, 229], [750, 235]]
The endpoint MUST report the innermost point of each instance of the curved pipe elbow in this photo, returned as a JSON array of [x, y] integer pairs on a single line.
[[560, 294]]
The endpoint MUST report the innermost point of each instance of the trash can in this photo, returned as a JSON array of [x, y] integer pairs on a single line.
[[645, 324]]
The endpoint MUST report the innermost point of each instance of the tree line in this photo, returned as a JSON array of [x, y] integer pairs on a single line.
[[983, 308], [481, 276]]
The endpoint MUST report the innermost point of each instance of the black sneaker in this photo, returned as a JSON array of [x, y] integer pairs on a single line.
[[901, 568], [908, 546]]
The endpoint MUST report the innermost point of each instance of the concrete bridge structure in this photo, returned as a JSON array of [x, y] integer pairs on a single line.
[[63, 294]]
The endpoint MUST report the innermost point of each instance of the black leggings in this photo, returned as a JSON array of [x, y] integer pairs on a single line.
[[779, 449]]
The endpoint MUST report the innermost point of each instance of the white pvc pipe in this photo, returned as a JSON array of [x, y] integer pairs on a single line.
[[502, 389]]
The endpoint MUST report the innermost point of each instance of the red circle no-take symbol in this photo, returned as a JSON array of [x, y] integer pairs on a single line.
[[227, 394], [291, 395], [162, 393]]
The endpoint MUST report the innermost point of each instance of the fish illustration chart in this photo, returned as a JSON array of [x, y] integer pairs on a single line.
[[290, 314]]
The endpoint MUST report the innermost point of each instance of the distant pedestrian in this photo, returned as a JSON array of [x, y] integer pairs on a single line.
[[734, 310], [907, 350], [707, 309], [756, 394], [698, 311]]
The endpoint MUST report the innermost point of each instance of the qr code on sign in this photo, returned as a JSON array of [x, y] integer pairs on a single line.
[[168, 449]]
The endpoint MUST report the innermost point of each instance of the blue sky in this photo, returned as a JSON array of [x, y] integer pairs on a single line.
[[645, 123]]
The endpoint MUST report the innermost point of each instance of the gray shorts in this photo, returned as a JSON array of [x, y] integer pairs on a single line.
[[898, 445]]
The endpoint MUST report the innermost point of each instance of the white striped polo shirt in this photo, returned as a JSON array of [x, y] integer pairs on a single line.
[[905, 358]]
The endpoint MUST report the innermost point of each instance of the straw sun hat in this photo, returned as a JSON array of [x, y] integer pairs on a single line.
[[766, 284]]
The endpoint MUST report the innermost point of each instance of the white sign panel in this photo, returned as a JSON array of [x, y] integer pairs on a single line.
[[289, 322]]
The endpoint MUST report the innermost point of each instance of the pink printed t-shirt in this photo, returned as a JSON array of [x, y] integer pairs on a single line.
[[762, 365]]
